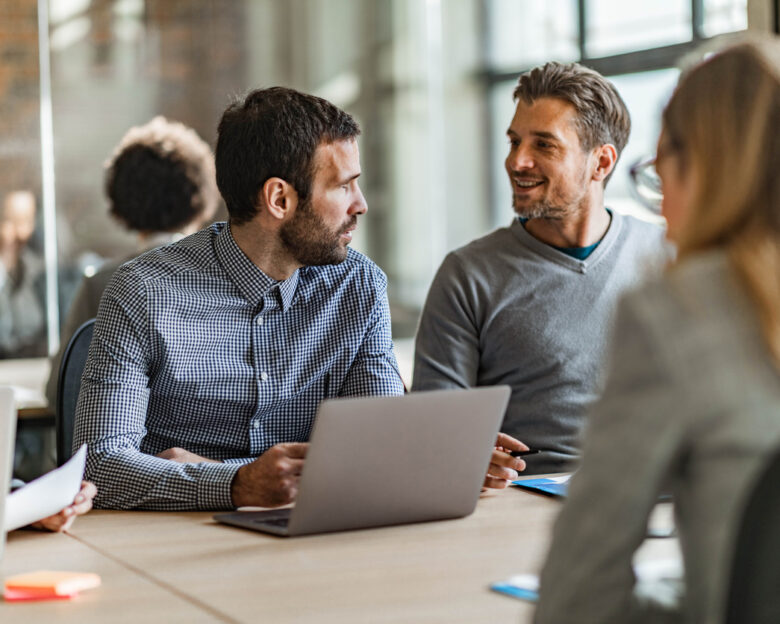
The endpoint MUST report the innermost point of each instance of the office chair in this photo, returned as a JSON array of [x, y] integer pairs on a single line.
[[754, 592], [69, 382]]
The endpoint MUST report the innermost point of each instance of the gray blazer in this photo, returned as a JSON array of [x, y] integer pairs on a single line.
[[692, 402]]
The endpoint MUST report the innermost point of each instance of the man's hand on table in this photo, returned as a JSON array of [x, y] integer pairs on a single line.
[[184, 457], [272, 479], [503, 467], [62, 521]]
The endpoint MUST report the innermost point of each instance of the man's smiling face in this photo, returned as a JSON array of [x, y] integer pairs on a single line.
[[549, 171]]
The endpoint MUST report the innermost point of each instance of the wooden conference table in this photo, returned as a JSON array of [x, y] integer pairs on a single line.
[[171, 567]]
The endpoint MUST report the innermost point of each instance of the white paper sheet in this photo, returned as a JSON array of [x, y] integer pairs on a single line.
[[562, 479], [47, 495]]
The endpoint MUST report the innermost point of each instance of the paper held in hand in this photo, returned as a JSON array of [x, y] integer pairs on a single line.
[[47, 495]]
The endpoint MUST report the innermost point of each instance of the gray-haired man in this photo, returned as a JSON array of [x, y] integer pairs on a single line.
[[530, 305]]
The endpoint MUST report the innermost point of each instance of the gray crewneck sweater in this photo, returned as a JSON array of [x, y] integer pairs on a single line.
[[509, 309]]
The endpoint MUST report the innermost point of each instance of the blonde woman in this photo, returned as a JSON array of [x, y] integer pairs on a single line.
[[692, 401]]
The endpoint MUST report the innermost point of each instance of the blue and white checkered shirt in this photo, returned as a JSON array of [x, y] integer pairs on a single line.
[[195, 347]]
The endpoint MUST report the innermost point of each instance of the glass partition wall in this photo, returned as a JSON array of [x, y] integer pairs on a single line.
[[28, 295], [429, 80]]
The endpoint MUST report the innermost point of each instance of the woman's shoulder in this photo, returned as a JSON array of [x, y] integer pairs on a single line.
[[702, 288], [696, 311]]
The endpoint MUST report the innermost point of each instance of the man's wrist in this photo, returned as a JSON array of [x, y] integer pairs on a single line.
[[238, 489]]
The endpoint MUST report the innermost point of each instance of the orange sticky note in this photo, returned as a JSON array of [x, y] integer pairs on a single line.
[[18, 595], [58, 583]]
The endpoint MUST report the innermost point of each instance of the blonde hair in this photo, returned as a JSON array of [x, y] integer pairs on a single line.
[[723, 121]]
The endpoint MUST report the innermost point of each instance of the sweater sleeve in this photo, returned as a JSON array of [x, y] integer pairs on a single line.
[[447, 344]]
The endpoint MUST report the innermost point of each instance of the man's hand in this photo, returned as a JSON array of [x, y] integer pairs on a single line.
[[64, 519], [184, 457], [272, 479], [503, 467]]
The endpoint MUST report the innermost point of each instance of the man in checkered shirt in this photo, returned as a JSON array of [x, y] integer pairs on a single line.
[[211, 355]]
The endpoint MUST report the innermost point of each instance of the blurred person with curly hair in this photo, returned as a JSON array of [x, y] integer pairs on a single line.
[[161, 183]]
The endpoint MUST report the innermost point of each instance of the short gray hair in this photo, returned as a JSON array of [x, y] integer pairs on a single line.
[[602, 116]]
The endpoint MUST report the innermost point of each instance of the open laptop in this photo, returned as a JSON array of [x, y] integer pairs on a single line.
[[390, 460], [7, 433]]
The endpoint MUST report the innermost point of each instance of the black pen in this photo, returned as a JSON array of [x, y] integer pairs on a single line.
[[524, 453]]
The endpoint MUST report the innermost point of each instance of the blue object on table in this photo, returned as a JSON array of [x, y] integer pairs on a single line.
[[515, 592], [545, 486]]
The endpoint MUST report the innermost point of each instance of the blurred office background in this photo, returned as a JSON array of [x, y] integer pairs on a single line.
[[429, 80]]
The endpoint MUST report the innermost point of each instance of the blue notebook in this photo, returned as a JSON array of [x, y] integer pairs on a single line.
[[557, 486]]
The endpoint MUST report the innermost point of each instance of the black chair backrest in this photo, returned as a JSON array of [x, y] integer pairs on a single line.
[[73, 360], [754, 592]]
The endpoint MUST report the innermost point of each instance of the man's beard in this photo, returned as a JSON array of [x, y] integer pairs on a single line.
[[310, 241], [556, 207], [543, 209]]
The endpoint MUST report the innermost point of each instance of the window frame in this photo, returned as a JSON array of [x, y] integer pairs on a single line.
[[649, 59]]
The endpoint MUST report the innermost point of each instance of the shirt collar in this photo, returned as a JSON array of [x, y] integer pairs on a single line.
[[250, 281], [561, 257]]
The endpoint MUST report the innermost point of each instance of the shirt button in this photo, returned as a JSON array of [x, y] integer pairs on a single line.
[[256, 424], [264, 376], [259, 320]]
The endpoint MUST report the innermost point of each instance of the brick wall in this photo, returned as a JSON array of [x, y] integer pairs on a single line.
[[20, 147], [183, 61]]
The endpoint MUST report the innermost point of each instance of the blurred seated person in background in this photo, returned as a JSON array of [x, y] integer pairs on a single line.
[[211, 355], [22, 280], [63, 520], [531, 305], [692, 400], [161, 183]]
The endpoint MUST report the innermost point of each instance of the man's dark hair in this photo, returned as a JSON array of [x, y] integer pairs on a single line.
[[602, 116], [161, 177], [273, 133]]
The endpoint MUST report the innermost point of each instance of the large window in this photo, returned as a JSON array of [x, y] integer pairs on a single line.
[[636, 44], [429, 80]]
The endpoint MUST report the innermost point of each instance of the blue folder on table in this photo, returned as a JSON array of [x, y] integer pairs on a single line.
[[550, 487]]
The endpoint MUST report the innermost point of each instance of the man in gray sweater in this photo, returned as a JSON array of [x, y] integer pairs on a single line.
[[531, 305]]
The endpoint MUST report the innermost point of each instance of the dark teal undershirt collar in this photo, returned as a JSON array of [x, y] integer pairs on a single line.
[[579, 253]]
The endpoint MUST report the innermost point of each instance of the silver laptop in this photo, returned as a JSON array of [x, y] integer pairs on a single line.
[[390, 460], [7, 433]]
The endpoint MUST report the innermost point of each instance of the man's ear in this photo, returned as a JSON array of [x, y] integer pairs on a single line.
[[279, 197], [606, 157]]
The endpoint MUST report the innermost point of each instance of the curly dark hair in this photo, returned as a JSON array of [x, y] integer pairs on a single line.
[[161, 177], [273, 133]]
